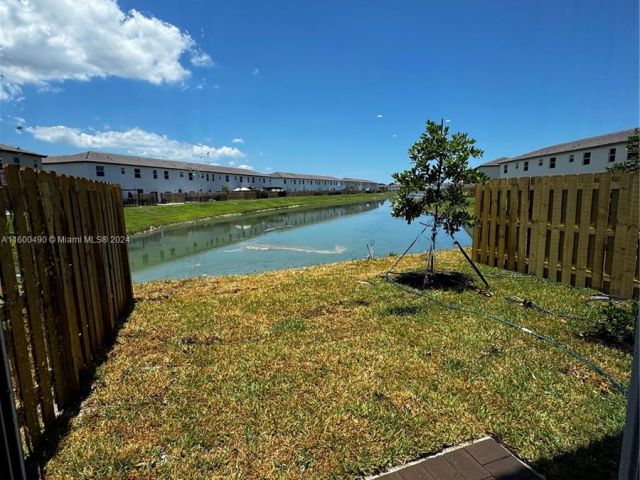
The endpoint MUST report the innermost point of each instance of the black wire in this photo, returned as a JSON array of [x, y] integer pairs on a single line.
[[552, 341]]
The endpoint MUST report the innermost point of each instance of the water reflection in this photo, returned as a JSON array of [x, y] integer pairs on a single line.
[[173, 243]]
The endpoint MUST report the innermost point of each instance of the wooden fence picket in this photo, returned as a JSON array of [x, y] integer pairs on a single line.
[[581, 230], [61, 292]]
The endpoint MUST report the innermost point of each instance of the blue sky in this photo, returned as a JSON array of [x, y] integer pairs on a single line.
[[333, 87]]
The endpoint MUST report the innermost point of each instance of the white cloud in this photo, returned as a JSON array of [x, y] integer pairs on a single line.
[[255, 72], [201, 59], [244, 166], [135, 142], [379, 115], [237, 140], [45, 41]]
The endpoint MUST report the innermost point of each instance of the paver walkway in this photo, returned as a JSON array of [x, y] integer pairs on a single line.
[[485, 459]]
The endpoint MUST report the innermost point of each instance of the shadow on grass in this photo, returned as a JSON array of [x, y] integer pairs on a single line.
[[35, 464], [455, 281], [597, 461]]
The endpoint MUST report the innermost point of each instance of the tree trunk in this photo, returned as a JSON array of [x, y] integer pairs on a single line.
[[430, 275]]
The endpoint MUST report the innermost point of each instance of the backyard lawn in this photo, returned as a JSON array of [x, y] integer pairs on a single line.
[[331, 372], [139, 219]]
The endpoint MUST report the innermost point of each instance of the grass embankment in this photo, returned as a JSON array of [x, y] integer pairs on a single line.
[[139, 219], [330, 372]]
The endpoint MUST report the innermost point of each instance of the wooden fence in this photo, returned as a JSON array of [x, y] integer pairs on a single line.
[[64, 280], [580, 230]]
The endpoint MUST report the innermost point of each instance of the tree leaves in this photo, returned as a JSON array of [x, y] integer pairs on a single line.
[[437, 178]]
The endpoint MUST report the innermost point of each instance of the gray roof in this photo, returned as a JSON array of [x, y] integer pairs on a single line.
[[12, 149], [112, 158], [302, 176], [582, 144], [359, 180], [494, 163]]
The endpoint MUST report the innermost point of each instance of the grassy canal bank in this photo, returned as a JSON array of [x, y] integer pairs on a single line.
[[139, 219], [330, 372]]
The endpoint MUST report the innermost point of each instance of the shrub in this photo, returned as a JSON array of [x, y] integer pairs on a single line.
[[616, 324]]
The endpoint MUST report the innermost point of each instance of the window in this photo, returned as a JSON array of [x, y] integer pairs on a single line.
[[571, 157], [226, 178], [240, 179], [136, 172], [99, 171], [166, 174], [207, 177], [253, 179], [264, 180], [586, 158], [155, 174], [612, 155], [181, 174], [122, 170], [16, 160], [552, 162], [517, 165], [541, 162], [190, 175], [505, 169], [526, 166]]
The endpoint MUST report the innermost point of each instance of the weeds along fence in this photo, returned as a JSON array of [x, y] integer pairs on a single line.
[[64, 280], [581, 230]]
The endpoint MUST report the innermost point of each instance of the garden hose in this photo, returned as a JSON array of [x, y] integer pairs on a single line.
[[550, 340], [526, 303]]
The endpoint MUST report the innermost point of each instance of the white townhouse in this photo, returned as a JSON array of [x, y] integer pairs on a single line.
[[18, 156], [588, 155], [149, 175], [360, 185], [300, 182]]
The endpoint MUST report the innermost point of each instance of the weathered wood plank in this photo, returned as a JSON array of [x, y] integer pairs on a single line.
[[69, 325], [13, 300], [43, 262], [75, 276], [68, 359], [16, 187]]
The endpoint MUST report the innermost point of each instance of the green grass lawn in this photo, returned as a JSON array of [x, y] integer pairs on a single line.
[[330, 372], [139, 219]]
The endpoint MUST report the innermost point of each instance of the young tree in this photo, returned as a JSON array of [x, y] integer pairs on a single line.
[[632, 163], [435, 183]]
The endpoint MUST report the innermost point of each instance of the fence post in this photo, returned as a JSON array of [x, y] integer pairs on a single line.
[[11, 454]]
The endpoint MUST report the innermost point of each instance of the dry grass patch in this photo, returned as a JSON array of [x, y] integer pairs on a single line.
[[330, 372]]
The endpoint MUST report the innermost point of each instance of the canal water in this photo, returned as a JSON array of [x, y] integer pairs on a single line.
[[275, 240]]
